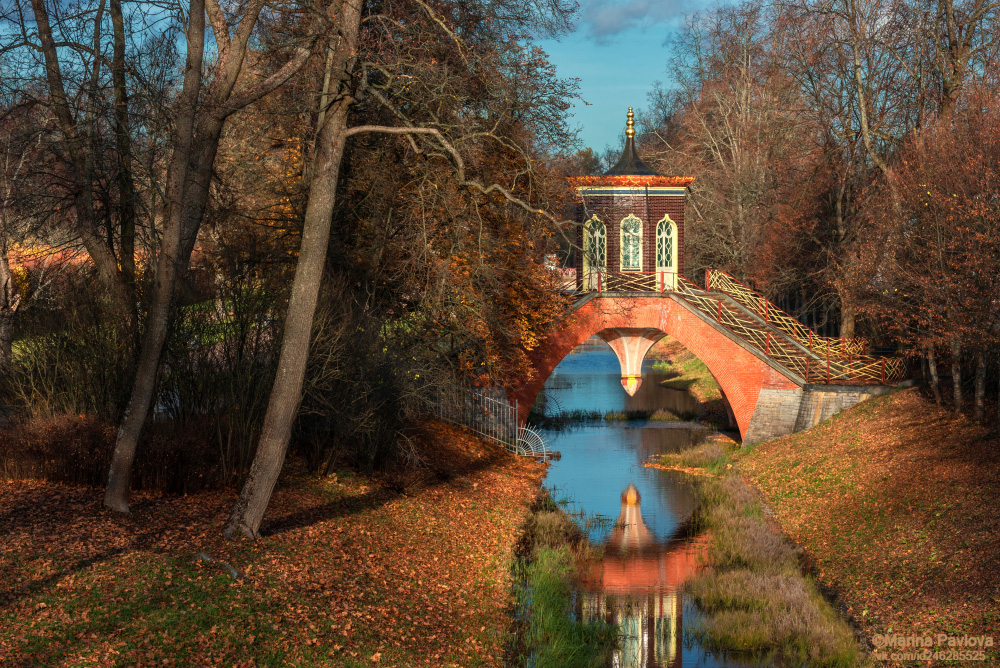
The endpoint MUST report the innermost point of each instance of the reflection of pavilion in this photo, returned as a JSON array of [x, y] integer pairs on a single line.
[[636, 585]]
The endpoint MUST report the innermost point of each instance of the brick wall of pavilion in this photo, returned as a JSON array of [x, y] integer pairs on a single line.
[[612, 209]]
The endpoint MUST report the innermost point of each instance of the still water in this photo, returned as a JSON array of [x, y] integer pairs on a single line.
[[647, 548]]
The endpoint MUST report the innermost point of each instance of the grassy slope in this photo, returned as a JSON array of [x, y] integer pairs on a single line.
[[354, 572], [896, 502]]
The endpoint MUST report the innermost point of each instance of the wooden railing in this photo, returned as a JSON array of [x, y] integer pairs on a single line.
[[836, 348], [629, 281], [813, 368]]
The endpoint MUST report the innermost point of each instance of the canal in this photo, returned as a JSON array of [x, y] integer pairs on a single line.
[[643, 513]]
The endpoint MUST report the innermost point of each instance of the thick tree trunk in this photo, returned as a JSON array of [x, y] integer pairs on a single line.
[[935, 381], [286, 394], [848, 316], [956, 372], [980, 387]]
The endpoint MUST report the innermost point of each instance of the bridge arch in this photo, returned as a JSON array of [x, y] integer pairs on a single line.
[[740, 372]]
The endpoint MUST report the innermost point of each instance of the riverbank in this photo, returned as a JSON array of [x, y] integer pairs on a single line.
[[895, 504], [353, 571], [689, 374], [551, 552], [754, 598]]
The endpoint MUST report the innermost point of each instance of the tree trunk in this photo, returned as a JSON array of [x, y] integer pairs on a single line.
[[935, 381], [6, 341], [198, 128], [8, 307], [956, 372], [119, 476], [980, 387], [123, 146], [286, 393], [848, 315]]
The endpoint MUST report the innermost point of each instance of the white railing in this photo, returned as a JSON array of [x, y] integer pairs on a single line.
[[488, 413]]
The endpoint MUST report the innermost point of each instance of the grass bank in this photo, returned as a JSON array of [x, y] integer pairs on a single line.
[[895, 503], [689, 374], [753, 593], [547, 634], [353, 571]]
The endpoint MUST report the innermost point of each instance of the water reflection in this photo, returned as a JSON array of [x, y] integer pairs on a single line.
[[636, 585], [589, 379], [647, 552]]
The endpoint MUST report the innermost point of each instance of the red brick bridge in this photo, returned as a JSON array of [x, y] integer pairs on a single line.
[[776, 375]]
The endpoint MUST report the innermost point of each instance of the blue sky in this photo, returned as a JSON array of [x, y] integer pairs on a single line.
[[617, 51]]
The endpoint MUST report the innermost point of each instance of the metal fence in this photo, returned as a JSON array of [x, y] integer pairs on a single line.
[[488, 413]]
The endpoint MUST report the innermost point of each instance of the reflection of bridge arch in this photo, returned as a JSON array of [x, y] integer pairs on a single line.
[[632, 324]]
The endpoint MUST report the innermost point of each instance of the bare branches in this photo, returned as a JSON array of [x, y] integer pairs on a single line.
[[459, 163]]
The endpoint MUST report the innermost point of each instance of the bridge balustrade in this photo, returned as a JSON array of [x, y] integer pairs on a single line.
[[816, 359]]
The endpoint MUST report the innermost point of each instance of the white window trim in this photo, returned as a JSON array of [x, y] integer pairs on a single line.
[[672, 226]]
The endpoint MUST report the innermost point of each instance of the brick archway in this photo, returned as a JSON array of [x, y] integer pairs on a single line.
[[740, 373]]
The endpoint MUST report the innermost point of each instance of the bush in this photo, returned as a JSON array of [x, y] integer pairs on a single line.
[[77, 362], [77, 449]]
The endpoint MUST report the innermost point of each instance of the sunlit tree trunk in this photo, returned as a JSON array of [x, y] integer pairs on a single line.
[[286, 393]]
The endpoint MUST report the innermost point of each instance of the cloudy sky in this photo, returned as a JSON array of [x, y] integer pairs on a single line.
[[617, 51]]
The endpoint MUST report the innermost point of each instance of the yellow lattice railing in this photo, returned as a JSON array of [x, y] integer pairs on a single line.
[[629, 281], [854, 369], [835, 348]]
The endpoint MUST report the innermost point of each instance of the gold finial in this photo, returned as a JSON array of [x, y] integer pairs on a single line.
[[629, 126]]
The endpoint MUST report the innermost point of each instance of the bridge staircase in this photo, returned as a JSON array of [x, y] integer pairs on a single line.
[[755, 321]]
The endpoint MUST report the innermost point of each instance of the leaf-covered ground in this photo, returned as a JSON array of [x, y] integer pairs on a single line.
[[896, 501], [352, 571]]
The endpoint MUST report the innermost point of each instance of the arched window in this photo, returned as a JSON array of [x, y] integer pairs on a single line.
[[631, 228], [595, 252], [666, 253]]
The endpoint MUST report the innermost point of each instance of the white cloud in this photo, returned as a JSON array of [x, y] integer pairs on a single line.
[[604, 19]]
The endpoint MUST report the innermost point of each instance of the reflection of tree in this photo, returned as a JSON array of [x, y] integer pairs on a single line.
[[636, 585]]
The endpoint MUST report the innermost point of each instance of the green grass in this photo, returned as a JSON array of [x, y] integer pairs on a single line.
[[181, 612], [550, 635], [690, 375]]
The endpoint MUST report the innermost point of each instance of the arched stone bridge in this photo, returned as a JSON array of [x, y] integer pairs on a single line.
[[776, 377]]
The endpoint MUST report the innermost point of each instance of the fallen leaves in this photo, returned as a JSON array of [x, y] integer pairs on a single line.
[[895, 501], [349, 568]]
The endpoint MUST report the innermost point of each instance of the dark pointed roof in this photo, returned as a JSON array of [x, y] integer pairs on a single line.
[[630, 164]]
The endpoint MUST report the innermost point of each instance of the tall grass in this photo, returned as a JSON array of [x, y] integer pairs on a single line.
[[549, 634], [754, 594]]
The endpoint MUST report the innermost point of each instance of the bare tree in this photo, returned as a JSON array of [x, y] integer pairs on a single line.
[[201, 114]]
